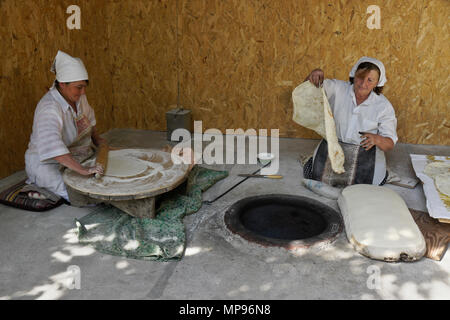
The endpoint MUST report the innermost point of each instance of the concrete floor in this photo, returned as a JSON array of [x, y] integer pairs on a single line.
[[38, 249]]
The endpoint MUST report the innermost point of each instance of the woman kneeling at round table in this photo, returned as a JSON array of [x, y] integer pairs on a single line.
[[64, 127]]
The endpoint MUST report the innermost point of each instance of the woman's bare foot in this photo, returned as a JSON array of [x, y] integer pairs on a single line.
[[36, 195]]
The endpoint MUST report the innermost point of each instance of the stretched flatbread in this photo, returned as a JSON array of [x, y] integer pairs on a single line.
[[312, 111], [436, 167], [442, 182]]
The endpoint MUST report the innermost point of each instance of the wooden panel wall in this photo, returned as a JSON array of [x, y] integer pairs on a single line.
[[142, 48], [234, 63], [129, 50], [221, 62], [283, 41]]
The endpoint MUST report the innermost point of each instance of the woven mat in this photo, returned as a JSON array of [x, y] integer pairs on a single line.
[[16, 196], [436, 234]]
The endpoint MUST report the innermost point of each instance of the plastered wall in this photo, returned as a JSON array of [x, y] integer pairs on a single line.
[[234, 63]]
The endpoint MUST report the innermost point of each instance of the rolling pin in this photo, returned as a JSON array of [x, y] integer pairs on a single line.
[[102, 158]]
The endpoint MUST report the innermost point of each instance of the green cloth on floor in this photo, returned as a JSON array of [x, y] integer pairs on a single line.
[[115, 232]]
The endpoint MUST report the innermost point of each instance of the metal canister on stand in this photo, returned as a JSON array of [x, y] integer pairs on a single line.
[[178, 118]]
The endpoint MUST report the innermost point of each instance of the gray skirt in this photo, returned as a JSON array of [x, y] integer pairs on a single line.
[[359, 166]]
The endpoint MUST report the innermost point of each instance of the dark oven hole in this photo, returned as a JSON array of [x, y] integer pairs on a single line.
[[283, 220]]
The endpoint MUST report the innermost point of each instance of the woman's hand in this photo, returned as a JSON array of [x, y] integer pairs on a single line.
[[68, 161], [316, 77], [371, 139], [94, 170]]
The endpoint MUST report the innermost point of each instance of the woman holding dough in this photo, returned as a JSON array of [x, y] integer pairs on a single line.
[[365, 124], [63, 129]]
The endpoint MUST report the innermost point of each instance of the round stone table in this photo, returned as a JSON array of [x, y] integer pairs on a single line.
[[132, 180]]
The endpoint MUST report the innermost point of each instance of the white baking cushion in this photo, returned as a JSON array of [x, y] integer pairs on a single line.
[[379, 225]]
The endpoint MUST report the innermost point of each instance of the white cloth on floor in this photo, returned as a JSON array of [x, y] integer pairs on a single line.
[[379, 225]]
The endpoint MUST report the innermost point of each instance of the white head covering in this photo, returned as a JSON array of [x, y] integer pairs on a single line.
[[68, 69], [376, 62]]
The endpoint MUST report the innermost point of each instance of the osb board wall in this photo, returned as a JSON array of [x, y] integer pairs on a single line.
[[128, 47], [221, 62], [143, 49], [240, 60], [233, 62], [32, 32]]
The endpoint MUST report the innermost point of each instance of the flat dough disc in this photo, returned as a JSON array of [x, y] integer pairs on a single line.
[[443, 183], [122, 167]]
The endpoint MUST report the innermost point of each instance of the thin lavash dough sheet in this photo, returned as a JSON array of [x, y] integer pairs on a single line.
[[435, 168], [439, 171], [122, 166], [312, 111], [427, 167], [442, 182]]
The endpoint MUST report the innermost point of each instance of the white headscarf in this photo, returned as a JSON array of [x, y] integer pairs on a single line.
[[376, 62], [68, 69]]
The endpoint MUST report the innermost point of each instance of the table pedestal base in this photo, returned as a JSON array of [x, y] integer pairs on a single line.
[[139, 208]]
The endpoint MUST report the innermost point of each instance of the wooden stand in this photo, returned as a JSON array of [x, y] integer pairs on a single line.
[[142, 208], [139, 208]]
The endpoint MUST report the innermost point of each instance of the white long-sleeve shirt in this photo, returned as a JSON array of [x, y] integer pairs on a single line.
[[375, 115], [54, 126], [54, 130]]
